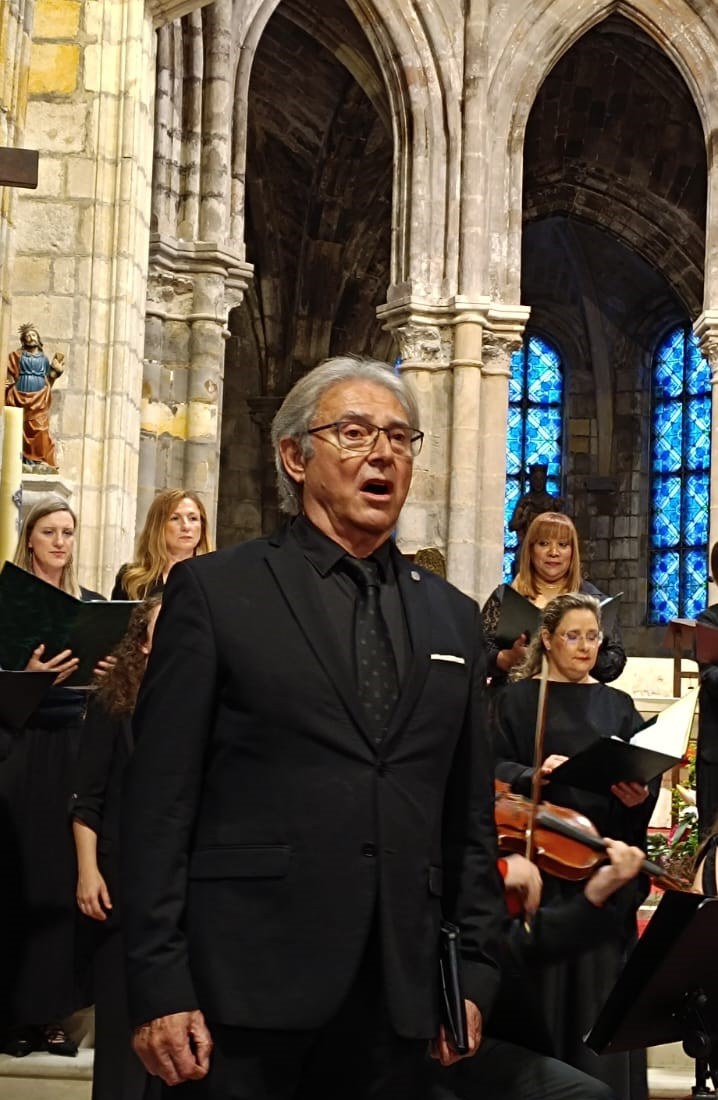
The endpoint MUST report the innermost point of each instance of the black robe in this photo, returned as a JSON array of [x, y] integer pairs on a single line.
[[573, 990], [45, 970]]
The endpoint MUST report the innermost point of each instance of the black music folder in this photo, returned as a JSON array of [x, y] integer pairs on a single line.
[[33, 611], [612, 760], [659, 746], [519, 616], [21, 694]]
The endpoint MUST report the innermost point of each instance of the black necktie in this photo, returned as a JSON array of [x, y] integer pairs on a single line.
[[377, 679]]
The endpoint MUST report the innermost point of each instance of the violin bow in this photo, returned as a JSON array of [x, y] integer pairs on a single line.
[[539, 736]]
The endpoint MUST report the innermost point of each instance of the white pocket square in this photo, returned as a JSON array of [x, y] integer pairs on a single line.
[[450, 657]]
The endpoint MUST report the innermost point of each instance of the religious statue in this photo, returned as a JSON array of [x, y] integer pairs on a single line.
[[28, 386], [533, 503]]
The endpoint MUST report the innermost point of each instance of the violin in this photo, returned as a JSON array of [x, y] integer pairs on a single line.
[[566, 843]]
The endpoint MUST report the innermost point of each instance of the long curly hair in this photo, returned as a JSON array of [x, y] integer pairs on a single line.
[[553, 614], [152, 559], [117, 691], [548, 525]]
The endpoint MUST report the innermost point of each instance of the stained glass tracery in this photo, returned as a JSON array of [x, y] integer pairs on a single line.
[[680, 471], [534, 428]]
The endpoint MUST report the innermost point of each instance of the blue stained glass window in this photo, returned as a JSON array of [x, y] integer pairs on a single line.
[[680, 473], [534, 428]]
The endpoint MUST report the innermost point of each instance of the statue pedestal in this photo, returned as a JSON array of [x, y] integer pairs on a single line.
[[37, 486]]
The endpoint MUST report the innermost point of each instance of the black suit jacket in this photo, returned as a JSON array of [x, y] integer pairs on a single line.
[[263, 825]]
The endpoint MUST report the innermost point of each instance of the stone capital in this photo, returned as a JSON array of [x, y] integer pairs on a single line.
[[165, 11], [177, 271], [706, 330], [422, 330]]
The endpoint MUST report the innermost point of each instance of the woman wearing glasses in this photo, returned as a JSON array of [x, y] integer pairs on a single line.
[[549, 566], [579, 711]]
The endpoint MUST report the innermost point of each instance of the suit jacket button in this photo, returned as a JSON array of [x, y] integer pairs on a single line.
[[368, 850]]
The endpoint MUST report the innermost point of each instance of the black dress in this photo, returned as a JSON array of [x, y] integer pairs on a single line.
[[707, 747], [105, 748], [44, 970], [573, 990], [119, 592]]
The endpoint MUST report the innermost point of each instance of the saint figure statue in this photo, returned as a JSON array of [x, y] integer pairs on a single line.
[[533, 503], [28, 386]]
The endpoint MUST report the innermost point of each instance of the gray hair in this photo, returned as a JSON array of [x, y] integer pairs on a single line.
[[300, 405], [553, 613]]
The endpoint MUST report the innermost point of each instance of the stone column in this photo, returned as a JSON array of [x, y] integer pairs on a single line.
[[192, 286], [706, 330], [425, 339], [465, 448], [501, 338]]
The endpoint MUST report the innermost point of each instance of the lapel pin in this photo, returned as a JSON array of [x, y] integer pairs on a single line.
[[415, 576]]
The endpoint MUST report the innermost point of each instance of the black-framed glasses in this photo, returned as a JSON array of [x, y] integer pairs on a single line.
[[355, 434]]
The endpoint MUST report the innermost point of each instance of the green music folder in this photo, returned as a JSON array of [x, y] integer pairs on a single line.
[[33, 611]]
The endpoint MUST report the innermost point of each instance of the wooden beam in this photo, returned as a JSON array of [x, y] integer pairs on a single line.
[[18, 167]]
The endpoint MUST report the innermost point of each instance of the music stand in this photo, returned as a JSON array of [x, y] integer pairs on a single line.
[[668, 990]]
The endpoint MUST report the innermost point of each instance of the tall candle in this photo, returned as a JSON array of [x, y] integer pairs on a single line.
[[10, 481]]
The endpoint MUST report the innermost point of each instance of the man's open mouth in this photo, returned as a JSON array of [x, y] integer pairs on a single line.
[[377, 488]]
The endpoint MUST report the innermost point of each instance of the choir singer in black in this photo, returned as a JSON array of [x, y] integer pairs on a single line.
[[312, 783]]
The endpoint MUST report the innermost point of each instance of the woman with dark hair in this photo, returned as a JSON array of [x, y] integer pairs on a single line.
[[105, 748], [549, 566], [38, 916], [175, 529], [707, 745], [579, 711]]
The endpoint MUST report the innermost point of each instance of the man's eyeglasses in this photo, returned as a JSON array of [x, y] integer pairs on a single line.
[[573, 637], [360, 436]]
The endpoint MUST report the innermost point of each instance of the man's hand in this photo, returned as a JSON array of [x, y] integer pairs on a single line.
[[524, 879], [624, 864], [441, 1048], [175, 1048]]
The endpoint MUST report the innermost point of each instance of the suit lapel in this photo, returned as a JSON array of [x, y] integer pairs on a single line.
[[287, 563], [412, 586]]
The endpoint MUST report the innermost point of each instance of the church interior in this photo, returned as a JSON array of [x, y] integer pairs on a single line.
[[514, 202]]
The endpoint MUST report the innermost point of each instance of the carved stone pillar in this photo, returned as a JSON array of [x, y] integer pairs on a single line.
[[192, 286], [425, 340], [502, 335], [706, 330]]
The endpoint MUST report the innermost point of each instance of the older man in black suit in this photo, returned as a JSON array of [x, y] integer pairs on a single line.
[[312, 783]]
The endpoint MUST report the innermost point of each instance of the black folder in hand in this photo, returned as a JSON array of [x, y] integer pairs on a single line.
[[33, 611], [611, 760], [21, 694], [452, 997], [519, 616]]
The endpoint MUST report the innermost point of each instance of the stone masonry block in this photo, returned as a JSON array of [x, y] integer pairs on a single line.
[[50, 177], [57, 127], [64, 275], [80, 178], [48, 227], [31, 273], [56, 19], [54, 317], [54, 69]]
